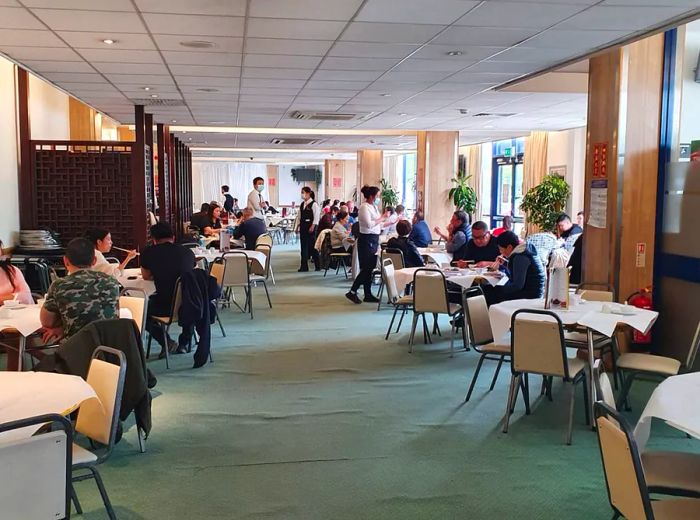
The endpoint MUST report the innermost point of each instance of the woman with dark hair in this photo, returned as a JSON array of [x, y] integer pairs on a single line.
[[367, 243], [12, 283], [102, 240], [309, 216], [214, 221]]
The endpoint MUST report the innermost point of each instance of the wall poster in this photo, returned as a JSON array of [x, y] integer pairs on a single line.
[[598, 213]]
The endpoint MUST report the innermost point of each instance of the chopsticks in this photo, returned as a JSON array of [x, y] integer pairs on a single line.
[[125, 250]]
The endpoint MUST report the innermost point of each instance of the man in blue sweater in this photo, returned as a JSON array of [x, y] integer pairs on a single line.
[[420, 234]]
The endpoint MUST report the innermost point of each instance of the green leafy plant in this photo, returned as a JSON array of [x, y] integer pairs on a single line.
[[545, 202], [390, 197], [462, 195]]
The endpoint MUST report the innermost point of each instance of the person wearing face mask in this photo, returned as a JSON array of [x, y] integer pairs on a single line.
[[370, 224], [309, 216], [255, 198]]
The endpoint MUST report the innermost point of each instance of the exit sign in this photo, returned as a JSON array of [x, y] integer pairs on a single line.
[[509, 152]]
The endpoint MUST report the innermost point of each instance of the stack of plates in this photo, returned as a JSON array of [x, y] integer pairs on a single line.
[[38, 239]]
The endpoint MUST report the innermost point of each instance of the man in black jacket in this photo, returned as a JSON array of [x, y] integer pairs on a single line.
[[526, 276], [411, 256], [482, 249]]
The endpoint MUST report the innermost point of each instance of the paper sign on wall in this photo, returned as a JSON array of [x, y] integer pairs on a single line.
[[271, 181], [337, 182], [641, 257], [598, 214]]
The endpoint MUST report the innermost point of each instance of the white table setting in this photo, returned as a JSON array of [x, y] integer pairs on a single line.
[[465, 278], [437, 254], [210, 255], [674, 401], [132, 279], [28, 394]]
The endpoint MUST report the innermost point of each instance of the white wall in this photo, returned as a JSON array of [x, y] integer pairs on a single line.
[[290, 190], [568, 148], [48, 111], [9, 203], [690, 97]]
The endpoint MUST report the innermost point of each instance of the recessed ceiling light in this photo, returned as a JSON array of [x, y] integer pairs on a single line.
[[146, 88], [197, 44], [189, 138], [109, 42], [385, 95], [154, 95], [454, 53], [403, 114], [173, 121]]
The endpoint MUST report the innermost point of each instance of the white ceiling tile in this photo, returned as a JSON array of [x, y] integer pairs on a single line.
[[389, 32], [171, 42], [128, 88], [518, 14], [533, 55], [88, 5], [206, 70], [581, 41], [209, 7], [469, 77], [140, 79], [485, 36], [273, 73], [272, 83], [70, 20], [205, 81], [322, 93], [358, 64], [121, 56], [445, 65], [469, 53], [181, 24], [59, 66], [18, 18], [415, 76], [336, 84], [223, 89], [621, 18], [29, 38], [371, 50], [130, 68], [300, 29], [273, 60], [442, 12], [635, 3], [325, 100], [508, 67], [75, 77], [359, 75], [214, 97], [202, 58], [40, 53], [93, 40], [305, 9], [287, 46], [264, 99]]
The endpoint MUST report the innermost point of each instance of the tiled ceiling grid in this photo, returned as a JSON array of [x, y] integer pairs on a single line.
[[408, 63]]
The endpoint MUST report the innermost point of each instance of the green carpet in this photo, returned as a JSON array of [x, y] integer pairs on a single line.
[[307, 413]]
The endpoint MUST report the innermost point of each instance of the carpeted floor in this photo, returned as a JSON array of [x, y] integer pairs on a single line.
[[307, 413]]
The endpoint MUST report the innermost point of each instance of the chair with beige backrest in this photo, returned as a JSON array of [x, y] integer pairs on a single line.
[[666, 472], [396, 257], [633, 365], [216, 270], [266, 240], [430, 297], [98, 420], [237, 274], [400, 303], [137, 305], [476, 319], [35, 481], [627, 485], [538, 347], [165, 322], [260, 274]]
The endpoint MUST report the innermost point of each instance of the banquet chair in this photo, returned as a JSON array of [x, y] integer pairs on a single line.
[[165, 322], [396, 256], [260, 274], [216, 270], [266, 240], [430, 296], [667, 472], [138, 306], [633, 365], [341, 259], [98, 420], [538, 347], [39, 485], [625, 474], [400, 303], [476, 317], [237, 274]]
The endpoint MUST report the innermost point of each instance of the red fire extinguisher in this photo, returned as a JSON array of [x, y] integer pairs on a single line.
[[642, 300]]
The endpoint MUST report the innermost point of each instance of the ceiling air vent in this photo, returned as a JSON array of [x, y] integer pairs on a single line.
[[294, 140], [159, 102], [323, 116], [487, 114]]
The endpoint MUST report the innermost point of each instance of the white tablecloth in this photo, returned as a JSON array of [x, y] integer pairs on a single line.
[[210, 255], [464, 277], [437, 255], [28, 394], [674, 401], [25, 320], [132, 279]]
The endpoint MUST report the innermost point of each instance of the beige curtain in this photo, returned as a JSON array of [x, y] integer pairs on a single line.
[[390, 173], [535, 165], [472, 156]]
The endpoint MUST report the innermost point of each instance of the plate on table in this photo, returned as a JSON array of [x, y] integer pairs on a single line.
[[623, 312], [15, 307]]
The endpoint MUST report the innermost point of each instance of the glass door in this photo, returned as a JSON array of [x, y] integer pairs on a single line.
[[507, 190]]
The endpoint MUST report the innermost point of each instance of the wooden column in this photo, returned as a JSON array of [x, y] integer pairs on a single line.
[[622, 165], [82, 121], [138, 176], [341, 176], [27, 215], [437, 156], [150, 179], [163, 144], [273, 189], [172, 142], [370, 167]]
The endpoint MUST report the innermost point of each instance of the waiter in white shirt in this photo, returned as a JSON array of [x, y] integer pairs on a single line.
[[309, 215], [255, 198], [367, 244]]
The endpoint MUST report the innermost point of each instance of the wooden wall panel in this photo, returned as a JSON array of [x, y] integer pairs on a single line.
[[82, 121], [421, 158], [441, 152], [140, 170], [641, 160], [27, 214], [370, 167]]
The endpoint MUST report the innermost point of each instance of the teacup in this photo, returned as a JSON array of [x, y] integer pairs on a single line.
[[11, 303]]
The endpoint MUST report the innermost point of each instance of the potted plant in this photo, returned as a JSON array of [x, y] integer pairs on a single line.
[[390, 197], [462, 195], [545, 202]]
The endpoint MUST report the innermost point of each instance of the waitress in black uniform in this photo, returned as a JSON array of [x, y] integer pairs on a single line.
[[367, 244], [309, 215]]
